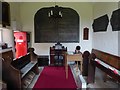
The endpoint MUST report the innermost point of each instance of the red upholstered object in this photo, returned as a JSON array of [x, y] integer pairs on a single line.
[[54, 77]]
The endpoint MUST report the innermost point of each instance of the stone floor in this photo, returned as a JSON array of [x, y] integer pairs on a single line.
[[110, 84], [99, 83]]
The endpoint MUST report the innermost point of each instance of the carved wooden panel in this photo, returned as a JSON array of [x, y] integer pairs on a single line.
[[5, 14], [85, 33], [115, 20], [64, 28], [100, 24]]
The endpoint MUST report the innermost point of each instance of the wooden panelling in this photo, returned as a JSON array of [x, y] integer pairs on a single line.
[[100, 23], [108, 58], [115, 20], [8, 56], [85, 34], [5, 14], [54, 29], [13, 75]]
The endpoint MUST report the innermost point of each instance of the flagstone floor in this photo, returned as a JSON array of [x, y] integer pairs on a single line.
[[99, 83]]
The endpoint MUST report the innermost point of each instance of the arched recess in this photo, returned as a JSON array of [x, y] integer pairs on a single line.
[[56, 24]]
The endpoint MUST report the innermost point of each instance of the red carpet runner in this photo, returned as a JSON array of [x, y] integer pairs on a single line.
[[54, 77]]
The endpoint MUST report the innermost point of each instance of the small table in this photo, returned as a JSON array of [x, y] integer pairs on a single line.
[[72, 57]]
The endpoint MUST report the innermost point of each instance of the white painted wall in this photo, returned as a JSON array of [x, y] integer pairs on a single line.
[[84, 9], [15, 16], [7, 37], [105, 41]]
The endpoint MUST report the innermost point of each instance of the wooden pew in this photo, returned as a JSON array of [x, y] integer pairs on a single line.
[[14, 71], [104, 61]]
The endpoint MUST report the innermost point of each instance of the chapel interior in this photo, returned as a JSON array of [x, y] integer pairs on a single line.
[[59, 45]]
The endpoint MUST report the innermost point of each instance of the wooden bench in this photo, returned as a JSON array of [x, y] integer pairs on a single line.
[[108, 63], [14, 71]]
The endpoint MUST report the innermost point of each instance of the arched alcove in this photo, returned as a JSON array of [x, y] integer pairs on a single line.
[[53, 24]]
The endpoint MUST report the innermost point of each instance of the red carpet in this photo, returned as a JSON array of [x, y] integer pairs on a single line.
[[54, 77]]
